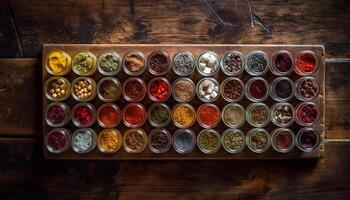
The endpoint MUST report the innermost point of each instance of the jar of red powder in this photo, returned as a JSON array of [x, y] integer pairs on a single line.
[[282, 89], [108, 115], [282, 63], [307, 88], [158, 63], [83, 115], [159, 89], [307, 63], [57, 114], [208, 115], [257, 89], [134, 89], [308, 139], [57, 140], [283, 140], [307, 114], [134, 115]]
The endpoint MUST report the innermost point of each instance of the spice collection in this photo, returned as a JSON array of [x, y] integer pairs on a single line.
[[182, 101]]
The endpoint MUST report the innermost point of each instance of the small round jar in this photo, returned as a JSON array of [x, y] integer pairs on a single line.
[[135, 140], [57, 88], [108, 115], [209, 141], [208, 90], [258, 140], [159, 140], [83, 89], [134, 89], [308, 139], [134, 115], [184, 141], [282, 89], [57, 114], [158, 63], [109, 63], [232, 64], [232, 89], [58, 63], [257, 63], [208, 115], [159, 115], [282, 63], [233, 115], [183, 63], [208, 63], [282, 114], [258, 114], [57, 140], [307, 88], [257, 89], [183, 89], [283, 140], [233, 140], [183, 115], [109, 141], [307, 114], [83, 115], [84, 140], [109, 89], [159, 89], [134, 63], [84, 63], [307, 63]]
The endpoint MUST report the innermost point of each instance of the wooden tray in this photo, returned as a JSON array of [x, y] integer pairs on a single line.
[[172, 49]]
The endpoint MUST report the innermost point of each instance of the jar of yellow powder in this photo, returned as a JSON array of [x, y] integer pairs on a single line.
[[184, 115], [109, 140], [58, 63]]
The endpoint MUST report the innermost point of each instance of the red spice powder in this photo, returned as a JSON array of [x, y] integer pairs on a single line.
[[108, 115], [134, 115], [159, 89], [83, 115], [258, 89], [284, 140], [208, 115], [307, 62]]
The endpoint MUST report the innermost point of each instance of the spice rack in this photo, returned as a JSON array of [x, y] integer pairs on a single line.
[[196, 50]]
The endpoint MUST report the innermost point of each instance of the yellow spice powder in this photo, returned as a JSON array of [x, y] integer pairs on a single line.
[[109, 141], [57, 61], [183, 115]]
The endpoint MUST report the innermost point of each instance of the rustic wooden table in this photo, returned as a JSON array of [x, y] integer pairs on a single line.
[[26, 25]]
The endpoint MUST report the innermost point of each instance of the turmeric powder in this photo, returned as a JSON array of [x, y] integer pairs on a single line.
[[58, 61], [109, 140], [183, 115]]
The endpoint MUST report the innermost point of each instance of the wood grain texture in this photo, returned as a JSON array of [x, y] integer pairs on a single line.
[[24, 172], [148, 21]]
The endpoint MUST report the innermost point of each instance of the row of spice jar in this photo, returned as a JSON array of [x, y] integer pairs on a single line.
[[109, 63], [183, 141], [134, 89], [183, 115]]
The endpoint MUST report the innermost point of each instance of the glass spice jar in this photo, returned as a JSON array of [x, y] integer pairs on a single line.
[[109, 63], [307, 88], [57, 114], [257, 63], [183, 63], [134, 89], [159, 140], [83, 89], [233, 140], [159, 115], [57, 88], [257, 89], [232, 89], [282, 63], [258, 114], [232, 64], [108, 115], [307, 63], [183, 115], [84, 63], [83, 115], [282, 89], [307, 114], [135, 140], [184, 141], [134, 63], [209, 141], [159, 89], [308, 139], [258, 140], [109, 89], [58, 63], [84, 140], [208, 115], [57, 140], [208, 63], [183, 89], [282, 114], [158, 63], [208, 90], [134, 115], [233, 115], [109, 140], [283, 140]]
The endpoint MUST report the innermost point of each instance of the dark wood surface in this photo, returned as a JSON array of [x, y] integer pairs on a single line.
[[26, 25]]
